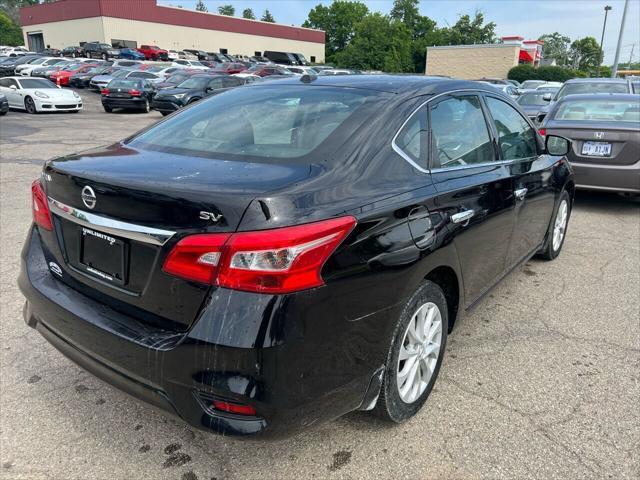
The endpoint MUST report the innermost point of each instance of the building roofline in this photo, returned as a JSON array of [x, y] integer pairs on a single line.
[[150, 11]]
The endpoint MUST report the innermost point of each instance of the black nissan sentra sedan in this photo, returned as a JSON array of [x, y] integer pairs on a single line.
[[283, 253]]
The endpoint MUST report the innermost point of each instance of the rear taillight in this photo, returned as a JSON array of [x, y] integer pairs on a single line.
[[542, 131], [135, 93], [282, 260], [230, 407], [40, 207], [104, 91]]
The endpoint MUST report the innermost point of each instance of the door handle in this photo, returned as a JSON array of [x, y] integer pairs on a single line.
[[462, 217], [521, 193]]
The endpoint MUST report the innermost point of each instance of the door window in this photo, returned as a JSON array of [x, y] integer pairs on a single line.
[[459, 133], [516, 138], [412, 139], [215, 83]]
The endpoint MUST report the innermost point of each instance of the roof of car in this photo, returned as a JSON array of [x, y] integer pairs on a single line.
[[398, 84], [596, 80], [600, 96]]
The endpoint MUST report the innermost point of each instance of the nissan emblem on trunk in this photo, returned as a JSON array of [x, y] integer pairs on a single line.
[[88, 197]]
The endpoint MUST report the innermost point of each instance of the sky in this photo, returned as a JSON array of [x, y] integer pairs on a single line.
[[530, 19]]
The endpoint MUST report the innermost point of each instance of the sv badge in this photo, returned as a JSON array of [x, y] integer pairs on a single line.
[[212, 217]]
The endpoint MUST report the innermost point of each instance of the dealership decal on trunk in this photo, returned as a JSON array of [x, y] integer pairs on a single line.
[[86, 231]]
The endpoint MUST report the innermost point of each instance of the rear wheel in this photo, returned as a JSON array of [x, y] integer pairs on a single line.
[[30, 105], [558, 228], [146, 108], [415, 355]]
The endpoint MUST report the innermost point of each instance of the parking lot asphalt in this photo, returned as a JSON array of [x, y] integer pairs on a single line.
[[541, 380]]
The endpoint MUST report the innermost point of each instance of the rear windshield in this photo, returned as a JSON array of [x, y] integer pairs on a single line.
[[125, 83], [536, 98], [278, 122], [36, 83], [532, 84], [604, 110], [592, 87]]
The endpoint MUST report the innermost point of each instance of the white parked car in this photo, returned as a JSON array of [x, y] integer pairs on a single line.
[[300, 70], [195, 64], [249, 77], [179, 54], [26, 68], [550, 84], [39, 95], [16, 51]]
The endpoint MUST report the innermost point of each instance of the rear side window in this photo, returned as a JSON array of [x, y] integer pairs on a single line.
[[515, 136], [264, 122], [412, 139], [459, 133]]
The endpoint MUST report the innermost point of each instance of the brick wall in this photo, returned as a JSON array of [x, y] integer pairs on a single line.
[[472, 61]]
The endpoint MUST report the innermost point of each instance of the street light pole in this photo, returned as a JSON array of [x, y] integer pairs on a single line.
[[604, 26], [614, 70]]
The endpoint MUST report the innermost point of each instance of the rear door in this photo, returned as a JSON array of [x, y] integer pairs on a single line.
[[532, 173], [475, 189]]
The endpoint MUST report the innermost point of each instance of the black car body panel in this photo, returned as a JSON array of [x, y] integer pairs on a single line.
[[298, 358], [171, 99], [4, 104]]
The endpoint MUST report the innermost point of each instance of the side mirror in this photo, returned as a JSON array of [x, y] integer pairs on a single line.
[[556, 145], [13, 87], [546, 97]]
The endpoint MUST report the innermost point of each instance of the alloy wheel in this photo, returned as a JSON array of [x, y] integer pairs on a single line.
[[29, 105], [560, 224], [419, 352]]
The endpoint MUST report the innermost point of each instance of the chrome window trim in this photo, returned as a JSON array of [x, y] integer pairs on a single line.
[[412, 162], [153, 236]]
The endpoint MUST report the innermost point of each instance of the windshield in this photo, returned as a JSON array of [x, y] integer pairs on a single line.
[[197, 64], [36, 83], [265, 122], [605, 110], [195, 82], [532, 98], [104, 45], [38, 61], [592, 87], [532, 84], [119, 73]]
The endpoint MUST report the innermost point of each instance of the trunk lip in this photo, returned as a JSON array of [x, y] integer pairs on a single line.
[[132, 231]]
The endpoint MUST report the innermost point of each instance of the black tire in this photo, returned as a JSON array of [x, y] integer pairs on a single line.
[[551, 251], [164, 114], [2, 114], [88, 55], [107, 109], [390, 406], [30, 105], [146, 108], [73, 55], [105, 57]]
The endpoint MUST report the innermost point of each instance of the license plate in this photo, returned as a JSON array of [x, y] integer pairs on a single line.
[[596, 149], [102, 255], [119, 95]]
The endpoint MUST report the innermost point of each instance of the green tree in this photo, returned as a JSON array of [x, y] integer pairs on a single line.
[[556, 47], [248, 13], [406, 11], [11, 8], [227, 10], [267, 17], [584, 54], [468, 31], [379, 43], [201, 7], [10, 32], [339, 21]]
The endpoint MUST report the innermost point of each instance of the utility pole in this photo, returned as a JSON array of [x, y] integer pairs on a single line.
[[633, 47], [614, 70], [604, 26]]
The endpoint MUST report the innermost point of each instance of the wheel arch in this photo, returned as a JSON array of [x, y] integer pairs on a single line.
[[446, 278]]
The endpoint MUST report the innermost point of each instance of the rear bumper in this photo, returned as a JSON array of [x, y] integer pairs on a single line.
[[618, 178], [294, 374], [123, 102]]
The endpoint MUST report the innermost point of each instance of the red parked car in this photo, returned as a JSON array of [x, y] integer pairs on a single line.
[[268, 70], [63, 75], [230, 68], [153, 52]]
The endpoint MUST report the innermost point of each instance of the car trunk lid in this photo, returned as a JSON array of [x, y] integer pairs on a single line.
[[118, 212]]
